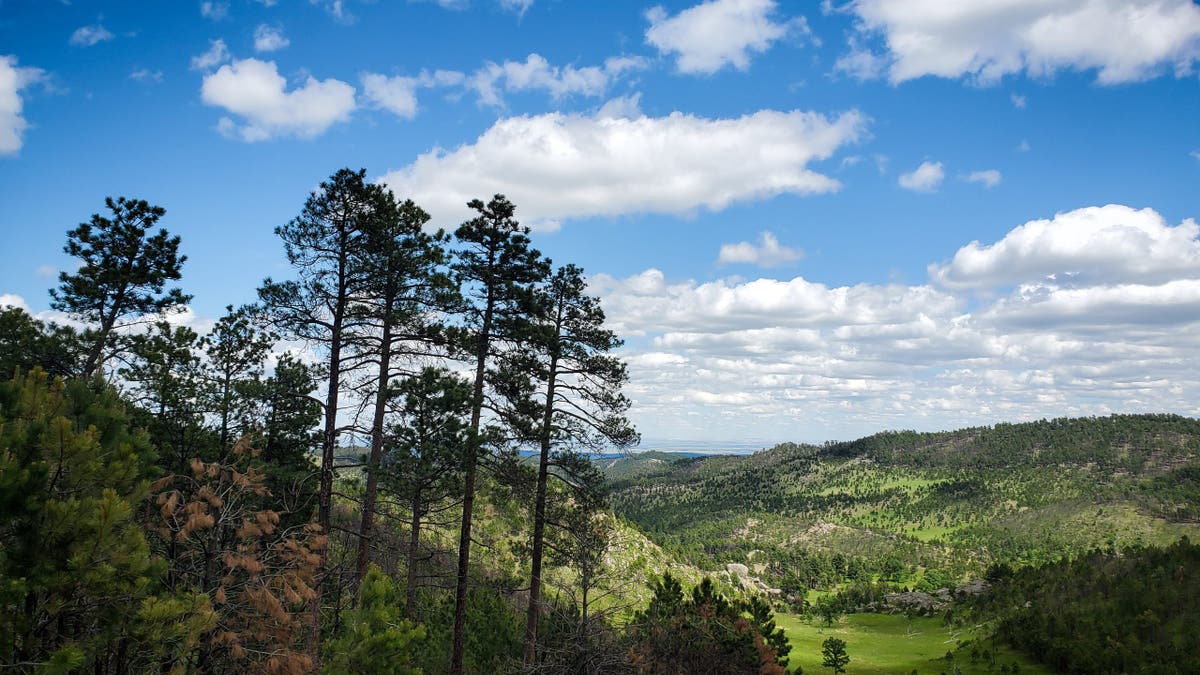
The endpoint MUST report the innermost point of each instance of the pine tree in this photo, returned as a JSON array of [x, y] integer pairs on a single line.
[[220, 541], [423, 465], [321, 243], [375, 639], [833, 653], [75, 567], [700, 632], [236, 348], [289, 420], [123, 274], [581, 405], [494, 268], [26, 343], [403, 290], [163, 380]]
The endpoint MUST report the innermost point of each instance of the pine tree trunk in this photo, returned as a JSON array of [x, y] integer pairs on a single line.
[[458, 644], [366, 529], [96, 353], [414, 539], [325, 489], [533, 612]]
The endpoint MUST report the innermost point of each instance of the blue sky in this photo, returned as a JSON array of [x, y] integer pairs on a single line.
[[776, 201]]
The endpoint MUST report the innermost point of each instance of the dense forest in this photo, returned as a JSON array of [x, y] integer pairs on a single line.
[[330, 478], [407, 457]]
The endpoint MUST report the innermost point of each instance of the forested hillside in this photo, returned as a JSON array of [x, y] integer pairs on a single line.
[[1043, 537], [380, 466], [952, 500]]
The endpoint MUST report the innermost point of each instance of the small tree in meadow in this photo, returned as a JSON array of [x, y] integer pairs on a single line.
[[834, 651]]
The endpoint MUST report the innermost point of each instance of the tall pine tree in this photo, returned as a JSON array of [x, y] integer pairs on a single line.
[[580, 406], [320, 244], [403, 291], [495, 267], [123, 273]]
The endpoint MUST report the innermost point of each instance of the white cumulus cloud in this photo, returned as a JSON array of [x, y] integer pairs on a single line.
[[256, 92], [557, 166], [717, 33], [768, 253], [813, 361], [269, 38], [1123, 40], [925, 178], [1088, 246], [398, 94], [12, 120], [13, 300]]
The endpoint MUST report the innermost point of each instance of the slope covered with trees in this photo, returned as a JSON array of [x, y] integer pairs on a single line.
[[182, 502]]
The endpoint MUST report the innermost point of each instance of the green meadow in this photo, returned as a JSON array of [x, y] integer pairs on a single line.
[[890, 643]]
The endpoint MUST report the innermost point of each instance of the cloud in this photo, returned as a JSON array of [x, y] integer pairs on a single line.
[[269, 38], [989, 178], [1124, 40], [1023, 146], [184, 315], [860, 62], [768, 253], [336, 9], [1088, 246], [518, 7], [13, 300], [925, 178], [536, 73], [256, 92], [809, 361], [1099, 309], [146, 75], [217, 54], [214, 10], [621, 107], [559, 166], [394, 94], [492, 80], [398, 94], [1018, 101], [1195, 154], [717, 33], [12, 120], [87, 36]]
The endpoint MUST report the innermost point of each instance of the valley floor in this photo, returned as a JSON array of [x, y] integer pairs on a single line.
[[889, 643]]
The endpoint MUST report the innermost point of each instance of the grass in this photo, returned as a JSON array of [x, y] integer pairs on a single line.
[[888, 643], [933, 532]]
